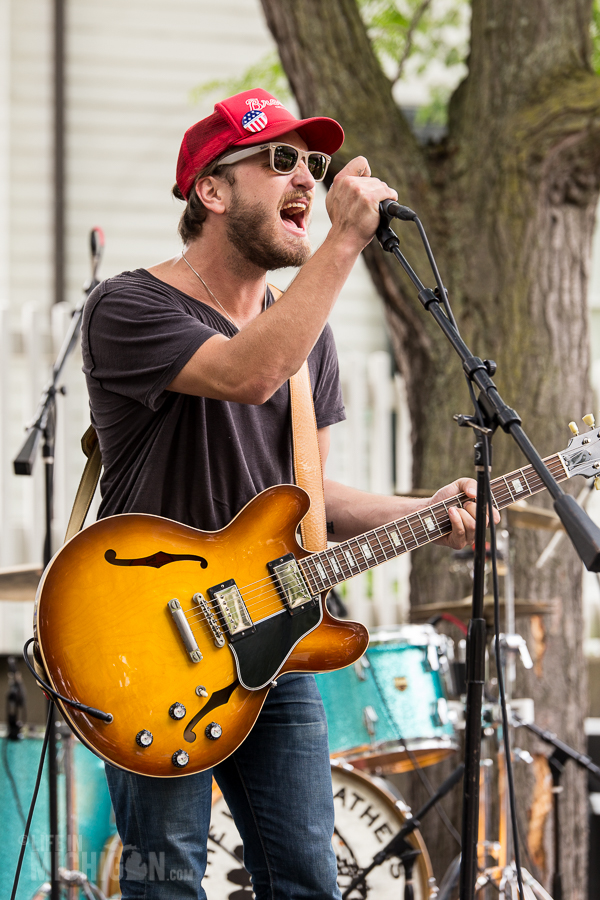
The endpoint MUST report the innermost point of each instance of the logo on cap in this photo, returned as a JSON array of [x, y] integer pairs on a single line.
[[255, 120]]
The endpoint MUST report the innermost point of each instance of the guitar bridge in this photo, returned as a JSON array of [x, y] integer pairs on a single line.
[[210, 617], [291, 584], [233, 613]]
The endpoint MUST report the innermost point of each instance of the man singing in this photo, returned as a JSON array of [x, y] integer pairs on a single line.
[[187, 365]]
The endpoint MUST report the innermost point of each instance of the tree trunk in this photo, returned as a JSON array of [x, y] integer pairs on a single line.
[[508, 200]]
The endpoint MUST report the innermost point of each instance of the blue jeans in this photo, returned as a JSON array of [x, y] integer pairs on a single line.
[[278, 788]]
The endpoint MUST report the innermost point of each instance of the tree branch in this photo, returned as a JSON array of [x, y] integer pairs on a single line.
[[321, 45], [419, 13]]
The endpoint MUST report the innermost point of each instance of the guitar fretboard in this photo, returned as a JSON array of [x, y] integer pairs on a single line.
[[329, 567]]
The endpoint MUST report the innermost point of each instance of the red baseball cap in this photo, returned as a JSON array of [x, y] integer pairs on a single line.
[[242, 120]]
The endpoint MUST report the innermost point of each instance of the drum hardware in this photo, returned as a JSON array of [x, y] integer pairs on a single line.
[[370, 718], [43, 429], [389, 714], [84, 812], [73, 881], [398, 845], [557, 760], [16, 701], [461, 609]]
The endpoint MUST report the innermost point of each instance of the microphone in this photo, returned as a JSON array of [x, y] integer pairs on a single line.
[[97, 242], [394, 210], [96, 250]]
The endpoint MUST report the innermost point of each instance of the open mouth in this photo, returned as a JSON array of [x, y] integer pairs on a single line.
[[293, 215]]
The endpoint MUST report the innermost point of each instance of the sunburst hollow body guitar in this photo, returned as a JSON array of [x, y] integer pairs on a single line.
[[179, 634]]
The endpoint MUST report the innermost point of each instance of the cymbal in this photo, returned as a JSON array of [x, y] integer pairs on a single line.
[[19, 582], [462, 609], [522, 515]]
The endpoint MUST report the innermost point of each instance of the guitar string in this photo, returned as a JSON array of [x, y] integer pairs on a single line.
[[271, 599], [423, 536], [503, 495]]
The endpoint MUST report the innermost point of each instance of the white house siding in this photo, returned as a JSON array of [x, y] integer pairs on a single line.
[[130, 67]]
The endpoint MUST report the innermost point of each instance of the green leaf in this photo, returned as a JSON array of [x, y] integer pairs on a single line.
[[595, 34], [267, 73]]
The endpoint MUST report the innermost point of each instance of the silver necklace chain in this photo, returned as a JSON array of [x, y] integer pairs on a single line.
[[208, 290]]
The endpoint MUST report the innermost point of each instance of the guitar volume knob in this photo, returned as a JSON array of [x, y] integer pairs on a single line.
[[213, 731], [177, 711], [180, 759], [144, 738]]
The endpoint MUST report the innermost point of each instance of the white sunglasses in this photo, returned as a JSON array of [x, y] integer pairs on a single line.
[[284, 159]]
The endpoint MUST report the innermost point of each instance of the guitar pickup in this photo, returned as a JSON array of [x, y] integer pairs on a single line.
[[233, 614], [291, 584]]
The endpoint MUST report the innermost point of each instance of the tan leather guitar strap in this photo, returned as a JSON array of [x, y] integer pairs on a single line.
[[307, 457], [88, 483], [307, 463]]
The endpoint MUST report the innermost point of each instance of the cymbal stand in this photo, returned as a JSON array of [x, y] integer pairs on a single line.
[[557, 760], [503, 876], [43, 427]]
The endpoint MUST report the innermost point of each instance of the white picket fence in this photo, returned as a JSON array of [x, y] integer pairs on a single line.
[[361, 455]]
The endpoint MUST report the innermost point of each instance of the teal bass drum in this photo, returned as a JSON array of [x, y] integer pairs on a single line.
[[389, 712]]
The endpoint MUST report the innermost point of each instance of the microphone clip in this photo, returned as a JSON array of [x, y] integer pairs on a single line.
[[384, 234]]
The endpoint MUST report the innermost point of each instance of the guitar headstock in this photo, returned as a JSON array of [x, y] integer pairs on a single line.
[[582, 456]]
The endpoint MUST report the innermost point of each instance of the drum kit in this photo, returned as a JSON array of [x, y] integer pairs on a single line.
[[400, 708]]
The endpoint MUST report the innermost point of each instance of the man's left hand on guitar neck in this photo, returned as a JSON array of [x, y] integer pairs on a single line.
[[351, 512]]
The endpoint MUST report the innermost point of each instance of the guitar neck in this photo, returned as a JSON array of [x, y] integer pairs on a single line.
[[329, 567]]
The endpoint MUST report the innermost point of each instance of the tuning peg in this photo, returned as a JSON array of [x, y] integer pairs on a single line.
[[589, 420], [574, 428]]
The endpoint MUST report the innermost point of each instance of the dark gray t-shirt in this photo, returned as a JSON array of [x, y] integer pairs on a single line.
[[192, 459]]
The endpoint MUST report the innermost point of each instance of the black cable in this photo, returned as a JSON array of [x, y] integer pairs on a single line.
[[89, 710], [17, 799], [496, 589], [443, 295], [417, 767], [500, 675], [33, 801]]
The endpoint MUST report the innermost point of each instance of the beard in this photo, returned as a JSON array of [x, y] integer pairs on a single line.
[[249, 231]]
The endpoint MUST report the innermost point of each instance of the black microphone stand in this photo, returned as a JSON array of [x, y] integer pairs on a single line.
[[557, 760], [399, 846], [44, 426], [490, 411]]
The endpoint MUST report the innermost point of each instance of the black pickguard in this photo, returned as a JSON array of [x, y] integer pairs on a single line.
[[260, 655], [155, 561]]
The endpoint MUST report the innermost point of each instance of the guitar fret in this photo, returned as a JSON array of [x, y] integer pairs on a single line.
[[343, 561], [432, 523], [306, 567], [321, 571], [333, 563], [350, 557], [525, 479], [366, 550], [412, 532], [380, 544], [423, 526], [508, 488], [355, 553], [338, 553], [396, 539]]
